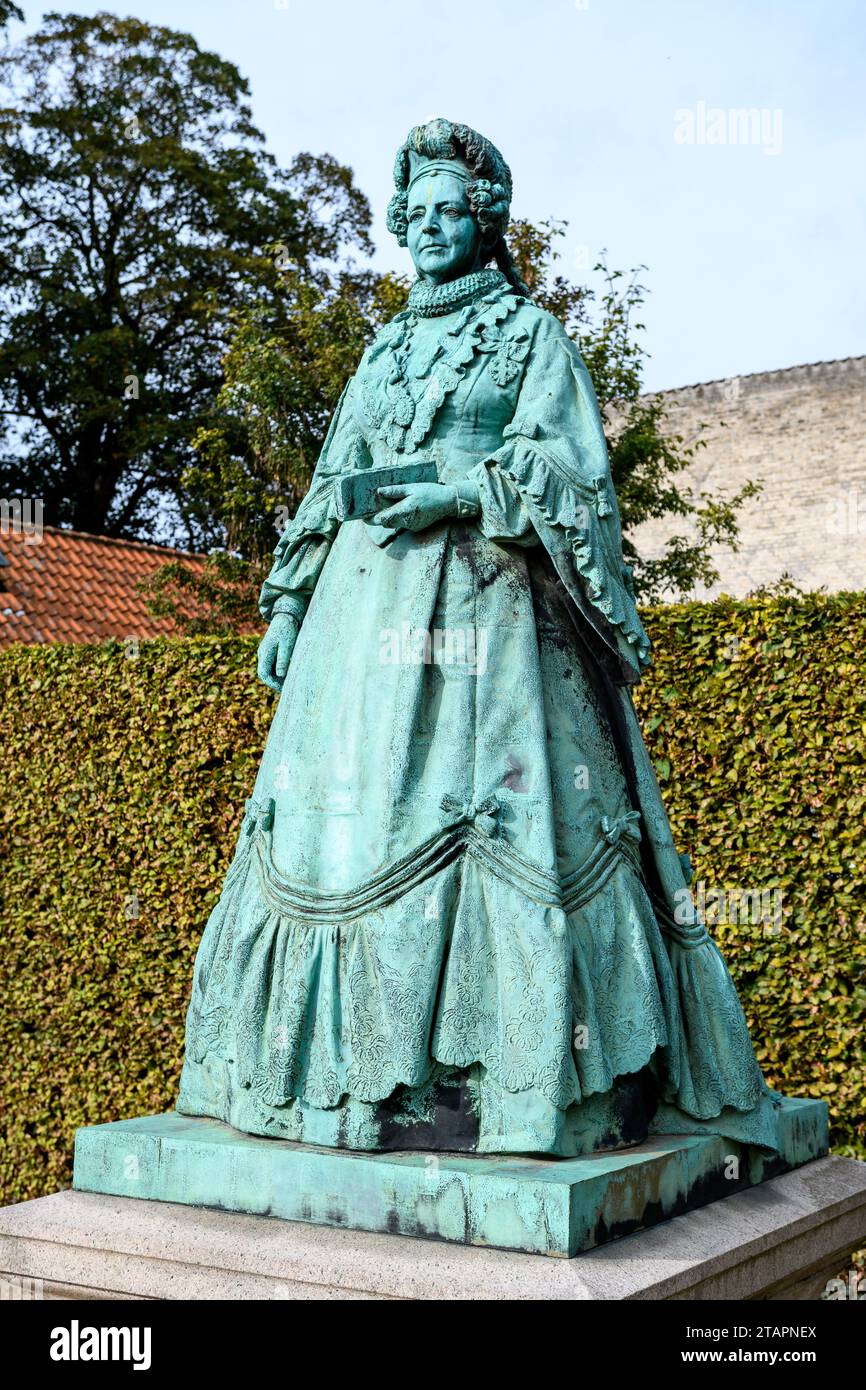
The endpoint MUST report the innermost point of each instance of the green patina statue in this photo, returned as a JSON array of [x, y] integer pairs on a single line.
[[456, 919]]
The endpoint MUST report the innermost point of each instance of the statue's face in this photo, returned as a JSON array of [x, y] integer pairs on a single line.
[[443, 237]]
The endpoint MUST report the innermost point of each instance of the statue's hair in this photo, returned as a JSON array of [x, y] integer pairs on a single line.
[[488, 191]]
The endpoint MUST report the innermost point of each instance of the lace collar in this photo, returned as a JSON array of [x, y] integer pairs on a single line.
[[394, 412], [429, 300]]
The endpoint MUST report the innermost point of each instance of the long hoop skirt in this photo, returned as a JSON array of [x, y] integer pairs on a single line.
[[444, 924]]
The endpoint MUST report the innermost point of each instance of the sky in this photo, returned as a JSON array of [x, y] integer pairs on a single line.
[[619, 116]]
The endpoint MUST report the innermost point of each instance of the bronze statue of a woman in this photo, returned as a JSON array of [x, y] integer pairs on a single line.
[[456, 918]]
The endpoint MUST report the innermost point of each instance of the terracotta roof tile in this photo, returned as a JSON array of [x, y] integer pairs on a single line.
[[71, 587]]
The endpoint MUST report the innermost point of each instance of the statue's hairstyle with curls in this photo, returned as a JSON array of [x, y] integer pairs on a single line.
[[488, 191]]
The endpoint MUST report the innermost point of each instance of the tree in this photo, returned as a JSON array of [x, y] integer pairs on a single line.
[[9, 10], [289, 359], [645, 458], [139, 211]]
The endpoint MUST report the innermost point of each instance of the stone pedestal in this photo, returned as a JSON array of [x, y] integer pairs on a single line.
[[782, 1239]]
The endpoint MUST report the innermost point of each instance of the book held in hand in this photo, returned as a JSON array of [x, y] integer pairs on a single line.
[[355, 493]]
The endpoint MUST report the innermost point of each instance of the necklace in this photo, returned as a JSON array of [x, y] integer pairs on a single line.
[[429, 301]]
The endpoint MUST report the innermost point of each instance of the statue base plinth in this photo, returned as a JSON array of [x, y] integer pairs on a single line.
[[545, 1206]]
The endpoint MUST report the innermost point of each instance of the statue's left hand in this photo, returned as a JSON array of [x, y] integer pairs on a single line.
[[416, 505], [275, 649]]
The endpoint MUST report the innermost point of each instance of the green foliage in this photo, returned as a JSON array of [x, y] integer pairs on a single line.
[[290, 356], [138, 210], [289, 359], [216, 601], [9, 10], [126, 777], [755, 715]]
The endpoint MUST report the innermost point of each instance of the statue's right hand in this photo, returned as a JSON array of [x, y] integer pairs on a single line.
[[275, 649]]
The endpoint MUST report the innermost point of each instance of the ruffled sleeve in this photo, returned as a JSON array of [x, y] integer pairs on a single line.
[[303, 546], [502, 516], [554, 458]]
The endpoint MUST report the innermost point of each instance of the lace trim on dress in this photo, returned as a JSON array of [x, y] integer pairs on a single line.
[[578, 511], [392, 412], [344, 1017]]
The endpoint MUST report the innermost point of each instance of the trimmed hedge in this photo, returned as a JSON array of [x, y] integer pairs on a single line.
[[125, 777]]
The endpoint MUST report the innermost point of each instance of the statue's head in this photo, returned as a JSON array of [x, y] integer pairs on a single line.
[[452, 203]]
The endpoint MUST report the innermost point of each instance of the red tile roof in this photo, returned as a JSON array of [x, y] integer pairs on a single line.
[[67, 586]]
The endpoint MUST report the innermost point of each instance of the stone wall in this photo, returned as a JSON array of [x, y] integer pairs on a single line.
[[802, 430]]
